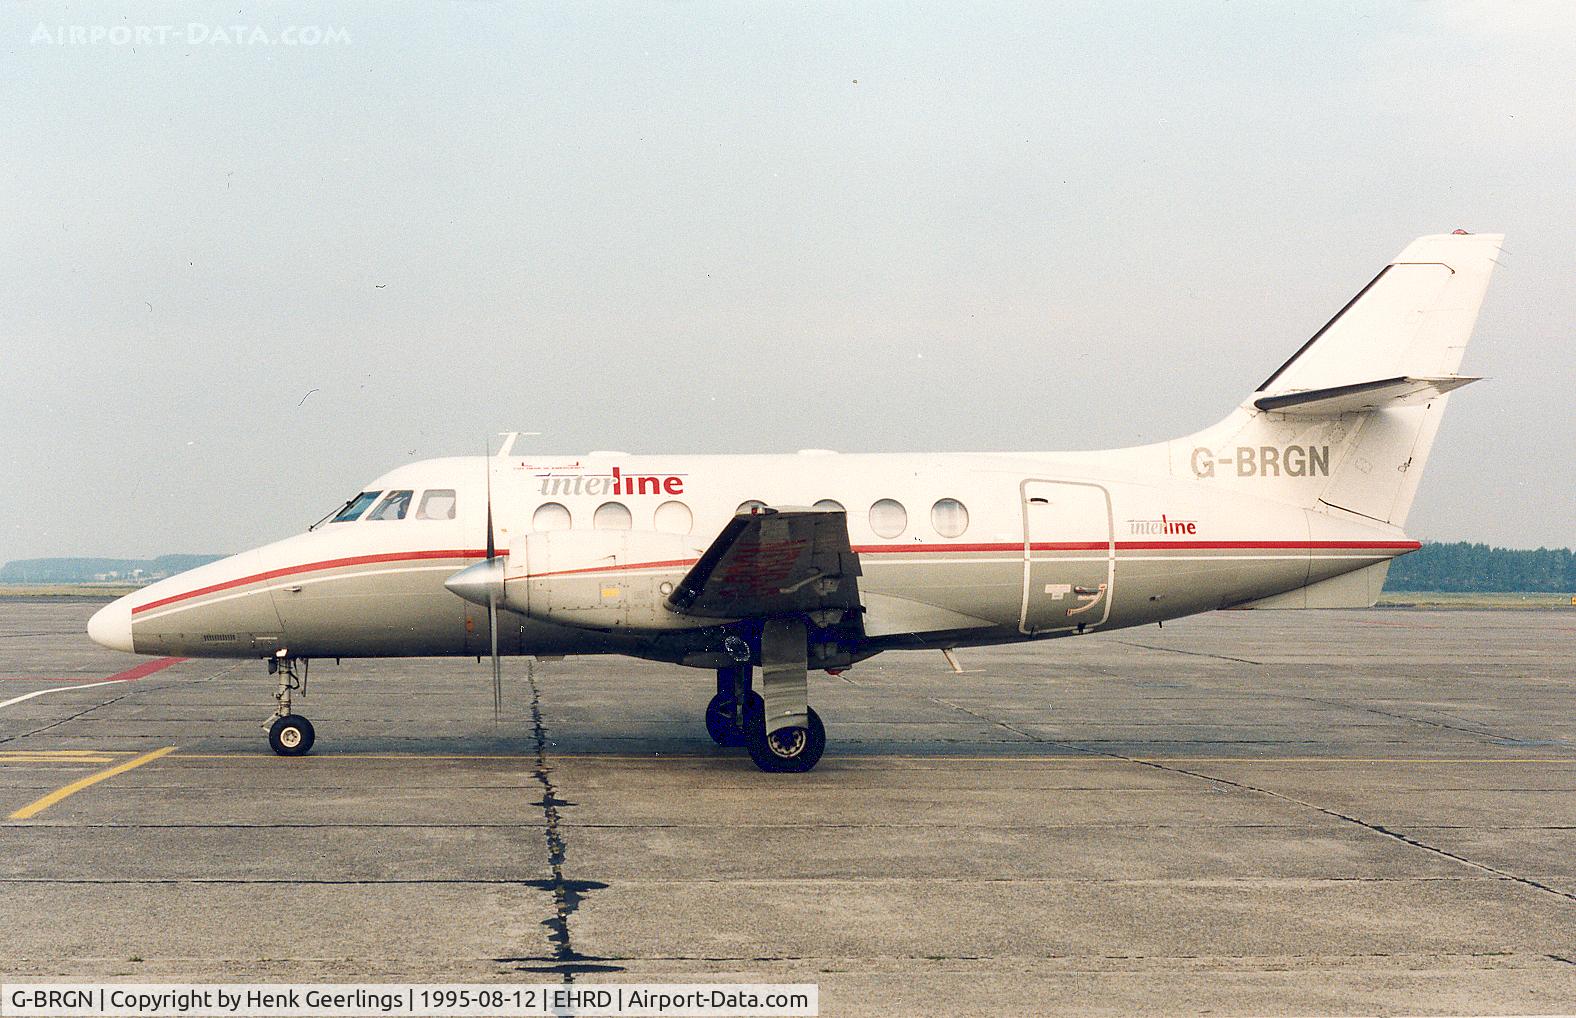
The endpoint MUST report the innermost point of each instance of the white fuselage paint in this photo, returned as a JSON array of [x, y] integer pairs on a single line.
[[1055, 544]]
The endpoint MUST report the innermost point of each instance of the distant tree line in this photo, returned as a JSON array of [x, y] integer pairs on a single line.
[[1475, 568], [88, 570]]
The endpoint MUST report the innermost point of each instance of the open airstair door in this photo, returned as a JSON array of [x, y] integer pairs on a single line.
[[1069, 556]]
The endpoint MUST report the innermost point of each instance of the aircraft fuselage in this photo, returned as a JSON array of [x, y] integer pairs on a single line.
[[956, 549]]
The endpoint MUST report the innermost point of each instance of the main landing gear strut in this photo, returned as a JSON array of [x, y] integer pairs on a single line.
[[288, 734], [782, 733]]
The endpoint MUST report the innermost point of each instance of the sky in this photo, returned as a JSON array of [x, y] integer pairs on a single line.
[[255, 256]]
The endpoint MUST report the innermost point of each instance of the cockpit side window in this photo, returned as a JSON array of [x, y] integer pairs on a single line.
[[436, 504], [393, 507], [356, 506]]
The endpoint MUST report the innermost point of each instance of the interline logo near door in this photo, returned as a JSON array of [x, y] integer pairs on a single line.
[[1164, 525]]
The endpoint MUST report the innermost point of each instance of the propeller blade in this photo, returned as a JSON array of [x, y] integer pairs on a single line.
[[492, 603], [492, 624], [490, 548]]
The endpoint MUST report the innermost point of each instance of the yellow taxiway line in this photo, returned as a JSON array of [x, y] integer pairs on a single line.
[[38, 806], [54, 760], [60, 756]]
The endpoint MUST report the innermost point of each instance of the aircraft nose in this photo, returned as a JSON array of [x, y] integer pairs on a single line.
[[476, 582], [110, 626]]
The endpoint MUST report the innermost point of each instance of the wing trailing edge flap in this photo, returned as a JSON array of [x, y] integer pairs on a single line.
[[1407, 390], [889, 615], [774, 561]]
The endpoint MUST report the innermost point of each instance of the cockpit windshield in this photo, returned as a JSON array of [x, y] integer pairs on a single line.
[[393, 507], [436, 504], [356, 506]]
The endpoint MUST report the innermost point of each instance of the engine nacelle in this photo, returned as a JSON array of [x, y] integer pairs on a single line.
[[601, 579]]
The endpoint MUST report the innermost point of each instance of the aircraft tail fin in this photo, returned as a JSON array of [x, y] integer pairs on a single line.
[[1414, 318], [1349, 419]]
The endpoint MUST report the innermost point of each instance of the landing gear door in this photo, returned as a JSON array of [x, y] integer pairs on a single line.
[[1069, 556]]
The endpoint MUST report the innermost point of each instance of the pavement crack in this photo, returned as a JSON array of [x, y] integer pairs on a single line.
[[1189, 653], [1380, 829], [1491, 736], [567, 894], [1015, 730]]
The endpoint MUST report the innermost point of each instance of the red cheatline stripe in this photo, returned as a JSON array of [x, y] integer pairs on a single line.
[[863, 549], [141, 671], [883, 549], [1277, 545], [354, 560], [898, 549]]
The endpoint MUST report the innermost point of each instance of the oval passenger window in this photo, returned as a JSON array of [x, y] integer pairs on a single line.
[[949, 517], [749, 506], [830, 503], [673, 518], [888, 518], [550, 516], [612, 516]]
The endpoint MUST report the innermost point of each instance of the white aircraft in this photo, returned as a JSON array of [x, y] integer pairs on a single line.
[[815, 561]]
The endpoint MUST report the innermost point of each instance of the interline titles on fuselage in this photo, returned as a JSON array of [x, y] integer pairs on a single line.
[[1164, 525], [615, 483]]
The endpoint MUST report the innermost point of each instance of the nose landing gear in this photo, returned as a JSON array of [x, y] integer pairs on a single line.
[[288, 734]]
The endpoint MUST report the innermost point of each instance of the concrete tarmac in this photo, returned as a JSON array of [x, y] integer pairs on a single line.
[[1242, 813]]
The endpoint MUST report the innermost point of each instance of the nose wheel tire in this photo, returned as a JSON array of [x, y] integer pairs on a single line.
[[291, 735], [721, 724], [791, 750]]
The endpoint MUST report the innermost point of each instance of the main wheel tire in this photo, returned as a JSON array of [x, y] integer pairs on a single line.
[[291, 735], [792, 750], [720, 722]]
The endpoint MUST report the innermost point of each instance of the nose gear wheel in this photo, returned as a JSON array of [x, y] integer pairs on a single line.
[[289, 734]]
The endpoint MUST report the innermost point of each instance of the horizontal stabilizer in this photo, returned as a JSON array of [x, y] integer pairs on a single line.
[[1362, 396]]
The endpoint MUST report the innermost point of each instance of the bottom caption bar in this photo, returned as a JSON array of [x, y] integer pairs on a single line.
[[344, 1000]]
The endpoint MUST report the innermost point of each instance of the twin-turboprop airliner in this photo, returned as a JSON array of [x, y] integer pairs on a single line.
[[767, 569]]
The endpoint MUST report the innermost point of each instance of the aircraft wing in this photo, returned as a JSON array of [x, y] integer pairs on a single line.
[[1349, 399], [773, 562]]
